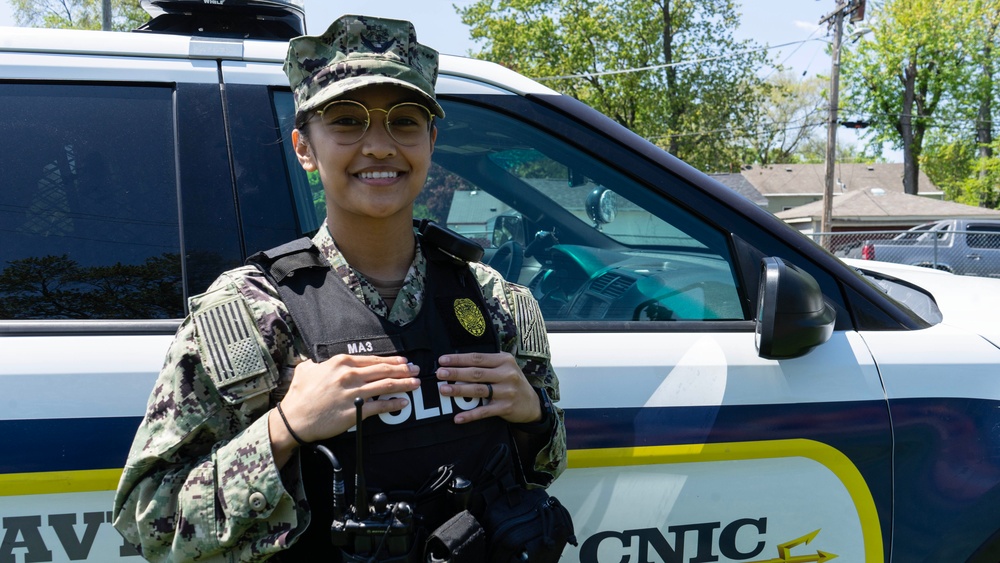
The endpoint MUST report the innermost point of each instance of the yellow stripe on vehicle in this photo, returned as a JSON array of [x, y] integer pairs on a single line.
[[831, 458], [55, 482]]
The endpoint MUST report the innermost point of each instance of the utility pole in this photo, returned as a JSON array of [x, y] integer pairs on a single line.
[[856, 8], [106, 15]]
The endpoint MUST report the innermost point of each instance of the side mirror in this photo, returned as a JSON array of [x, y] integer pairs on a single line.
[[792, 315], [506, 228]]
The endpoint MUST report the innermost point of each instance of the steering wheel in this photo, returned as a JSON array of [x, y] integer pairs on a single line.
[[507, 260]]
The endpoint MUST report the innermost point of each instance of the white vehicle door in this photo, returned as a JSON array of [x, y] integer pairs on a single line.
[[94, 267]]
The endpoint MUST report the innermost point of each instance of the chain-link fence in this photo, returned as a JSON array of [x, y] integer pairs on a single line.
[[971, 252]]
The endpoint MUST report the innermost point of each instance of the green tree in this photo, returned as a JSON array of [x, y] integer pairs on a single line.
[[670, 70], [788, 119], [948, 162], [57, 287], [983, 46], [962, 158], [813, 151], [434, 201], [965, 175], [77, 14], [901, 76]]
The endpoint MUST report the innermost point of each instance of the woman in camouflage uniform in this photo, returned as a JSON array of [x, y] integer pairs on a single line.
[[215, 471]]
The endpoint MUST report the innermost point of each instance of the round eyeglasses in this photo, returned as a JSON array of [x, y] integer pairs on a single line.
[[347, 121]]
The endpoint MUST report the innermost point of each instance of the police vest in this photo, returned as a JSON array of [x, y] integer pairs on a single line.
[[402, 449]]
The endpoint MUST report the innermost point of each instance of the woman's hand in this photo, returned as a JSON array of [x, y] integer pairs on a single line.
[[320, 401], [495, 378]]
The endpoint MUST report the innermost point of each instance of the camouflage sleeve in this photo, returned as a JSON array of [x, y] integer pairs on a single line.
[[522, 333], [200, 482], [531, 348]]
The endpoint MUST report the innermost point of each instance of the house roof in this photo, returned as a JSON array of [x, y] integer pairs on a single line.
[[810, 179], [739, 184], [878, 206]]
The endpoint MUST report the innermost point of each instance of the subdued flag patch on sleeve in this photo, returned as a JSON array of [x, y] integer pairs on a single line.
[[530, 325], [230, 345]]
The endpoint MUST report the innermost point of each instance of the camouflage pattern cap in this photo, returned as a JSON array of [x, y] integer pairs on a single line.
[[359, 51]]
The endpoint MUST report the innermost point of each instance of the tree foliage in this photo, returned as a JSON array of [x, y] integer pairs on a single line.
[[77, 14], [434, 201], [948, 162], [963, 156], [982, 186], [57, 287], [965, 175], [670, 70], [905, 75], [792, 112], [929, 80]]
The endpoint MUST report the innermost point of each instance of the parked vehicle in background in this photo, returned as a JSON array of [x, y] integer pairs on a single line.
[[968, 247]]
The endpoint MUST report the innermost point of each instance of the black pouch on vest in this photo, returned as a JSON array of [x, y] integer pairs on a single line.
[[459, 540], [521, 524]]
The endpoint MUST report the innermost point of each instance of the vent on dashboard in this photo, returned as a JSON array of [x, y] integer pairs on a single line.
[[612, 285]]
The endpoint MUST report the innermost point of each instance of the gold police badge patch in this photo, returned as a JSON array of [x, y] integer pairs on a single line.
[[470, 317]]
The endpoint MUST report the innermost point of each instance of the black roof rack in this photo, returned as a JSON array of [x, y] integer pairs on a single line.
[[239, 19]]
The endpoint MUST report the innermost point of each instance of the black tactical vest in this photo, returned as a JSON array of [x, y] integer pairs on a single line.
[[402, 449]]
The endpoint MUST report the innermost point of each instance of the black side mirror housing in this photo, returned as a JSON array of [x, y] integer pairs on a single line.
[[793, 317]]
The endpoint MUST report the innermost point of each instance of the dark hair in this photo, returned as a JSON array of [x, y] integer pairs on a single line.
[[301, 117]]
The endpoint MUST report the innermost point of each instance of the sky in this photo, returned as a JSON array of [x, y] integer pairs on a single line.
[[768, 22]]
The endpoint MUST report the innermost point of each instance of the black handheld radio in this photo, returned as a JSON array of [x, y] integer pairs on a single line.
[[379, 531]]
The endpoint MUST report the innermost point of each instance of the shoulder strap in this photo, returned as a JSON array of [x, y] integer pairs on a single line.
[[282, 261], [280, 265]]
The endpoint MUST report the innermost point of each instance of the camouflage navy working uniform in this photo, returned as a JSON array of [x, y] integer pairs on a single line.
[[200, 481]]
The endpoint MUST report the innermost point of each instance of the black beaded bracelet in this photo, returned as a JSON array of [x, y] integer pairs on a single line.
[[289, 426]]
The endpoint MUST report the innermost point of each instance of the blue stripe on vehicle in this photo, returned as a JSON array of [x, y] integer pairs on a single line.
[[947, 486], [97, 443], [65, 444]]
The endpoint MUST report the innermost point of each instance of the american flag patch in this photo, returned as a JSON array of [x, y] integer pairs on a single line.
[[530, 325], [228, 342]]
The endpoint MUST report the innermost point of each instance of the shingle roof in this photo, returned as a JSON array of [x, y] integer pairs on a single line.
[[874, 205], [742, 186], [805, 179]]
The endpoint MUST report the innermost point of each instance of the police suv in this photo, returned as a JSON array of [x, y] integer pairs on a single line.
[[733, 392]]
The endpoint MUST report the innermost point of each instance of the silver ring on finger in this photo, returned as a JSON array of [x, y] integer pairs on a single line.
[[489, 393]]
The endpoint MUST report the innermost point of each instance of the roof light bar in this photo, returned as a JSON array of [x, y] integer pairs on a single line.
[[239, 19]]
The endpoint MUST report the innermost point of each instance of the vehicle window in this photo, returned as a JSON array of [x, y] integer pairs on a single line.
[[88, 205], [983, 236], [914, 234], [590, 243], [310, 201], [913, 297]]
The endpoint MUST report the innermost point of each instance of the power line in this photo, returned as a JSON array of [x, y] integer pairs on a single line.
[[796, 50], [669, 65]]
